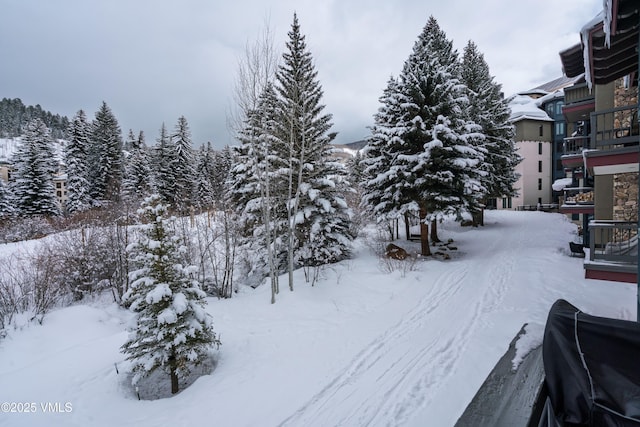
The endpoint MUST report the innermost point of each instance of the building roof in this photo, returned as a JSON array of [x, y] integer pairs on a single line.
[[557, 84], [608, 48]]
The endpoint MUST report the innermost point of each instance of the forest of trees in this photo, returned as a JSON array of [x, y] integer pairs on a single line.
[[440, 145], [14, 117]]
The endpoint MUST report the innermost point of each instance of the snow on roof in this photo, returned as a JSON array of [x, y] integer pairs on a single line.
[[524, 107], [584, 36], [560, 184]]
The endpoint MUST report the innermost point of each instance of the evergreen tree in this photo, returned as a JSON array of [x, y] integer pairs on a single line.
[[76, 159], [105, 156], [184, 166], [7, 209], [489, 109], [35, 166], [173, 331], [435, 166], [383, 145], [256, 191], [137, 182], [163, 167], [317, 213], [223, 161], [204, 173]]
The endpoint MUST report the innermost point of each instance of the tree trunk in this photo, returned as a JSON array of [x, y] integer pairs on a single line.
[[434, 232], [407, 228], [424, 231], [174, 375]]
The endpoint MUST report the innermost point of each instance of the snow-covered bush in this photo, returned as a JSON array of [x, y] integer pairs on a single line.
[[172, 330]]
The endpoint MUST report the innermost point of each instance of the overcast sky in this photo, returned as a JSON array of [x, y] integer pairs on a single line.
[[155, 60]]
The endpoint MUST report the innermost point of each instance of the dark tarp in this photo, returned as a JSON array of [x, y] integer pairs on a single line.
[[592, 368]]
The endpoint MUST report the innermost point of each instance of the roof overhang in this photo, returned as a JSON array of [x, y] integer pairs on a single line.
[[608, 48]]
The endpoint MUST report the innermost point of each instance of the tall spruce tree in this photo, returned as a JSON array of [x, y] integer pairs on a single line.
[[76, 159], [137, 182], [7, 209], [383, 145], [184, 166], [163, 167], [35, 166], [490, 110], [173, 331], [203, 192], [257, 186], [317, 212], [106, 158], [434, 170]]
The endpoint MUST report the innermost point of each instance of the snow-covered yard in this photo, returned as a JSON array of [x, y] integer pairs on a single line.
[[361, 348]]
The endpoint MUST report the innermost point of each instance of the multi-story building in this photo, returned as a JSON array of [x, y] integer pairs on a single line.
[[533, 141], [601, 155]]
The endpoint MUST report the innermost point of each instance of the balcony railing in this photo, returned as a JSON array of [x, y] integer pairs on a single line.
[[575, 144], [616, 127], [613, 241]]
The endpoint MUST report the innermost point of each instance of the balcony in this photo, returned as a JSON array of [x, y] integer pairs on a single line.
[[613, 147], [572, 148], [613, 251], [579, 102], [577, 200]]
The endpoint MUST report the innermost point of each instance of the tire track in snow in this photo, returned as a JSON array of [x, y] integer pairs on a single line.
[[379, 355]]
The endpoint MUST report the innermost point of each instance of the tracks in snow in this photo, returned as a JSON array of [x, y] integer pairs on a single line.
[[401, 370]]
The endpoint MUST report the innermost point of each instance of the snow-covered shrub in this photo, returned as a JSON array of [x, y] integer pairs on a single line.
[[25, 229], [172, 330]]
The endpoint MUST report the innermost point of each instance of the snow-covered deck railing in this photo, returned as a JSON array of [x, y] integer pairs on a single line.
[[613, 241], [615, 127]]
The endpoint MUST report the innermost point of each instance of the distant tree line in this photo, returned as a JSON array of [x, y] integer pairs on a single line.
[[14, 117], [100, 168]]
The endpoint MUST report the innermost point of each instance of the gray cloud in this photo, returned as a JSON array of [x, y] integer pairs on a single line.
[[153, 61]]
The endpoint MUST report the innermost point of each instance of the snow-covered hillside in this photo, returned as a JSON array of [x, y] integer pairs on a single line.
[[361, 348], [9, 145]]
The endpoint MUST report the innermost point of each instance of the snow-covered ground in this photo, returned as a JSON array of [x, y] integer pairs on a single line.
[[361, 348]]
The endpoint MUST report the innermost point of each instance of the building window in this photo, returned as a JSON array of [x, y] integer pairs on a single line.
[[539, 165], [509, 205], [504, 203], [560, 128], [59, 194], [539, 147], [541, 130], [539, 200], [58, 185], [550, 108], [559, 107], [539, 184]]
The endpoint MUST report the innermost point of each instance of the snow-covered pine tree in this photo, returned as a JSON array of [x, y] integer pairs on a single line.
[[76, 159], [35, 166], [184, 166], [172, 329], [7, 209], [381, 193], [256, 191], [106, 158], [316, 205], [203, 196], [137, 182], [163, 161], [435, 160], [223, 161], [489, 109]]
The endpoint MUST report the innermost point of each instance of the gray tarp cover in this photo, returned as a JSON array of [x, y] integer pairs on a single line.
[[592, 368]]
